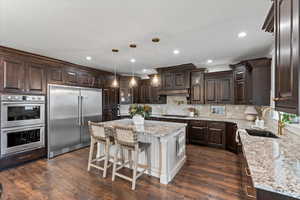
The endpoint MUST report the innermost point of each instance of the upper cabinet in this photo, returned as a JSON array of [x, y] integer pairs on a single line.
[[37, 81], [128, 94], [197, 86], [12, 75], [18, 76], [175, 79], [252, 81], [219, 88], [287, 55], [148, 91]]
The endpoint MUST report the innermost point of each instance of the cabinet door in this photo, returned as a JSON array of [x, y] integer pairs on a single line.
[[216, 134], [231, 144], [225, 90], [179, 80], [70, 77], [168, 80], [86, 79], [287, 55], [198, 134], [55, 75], [240, 92], [36, 82], [210, 91], [197, 88], [12, 75]]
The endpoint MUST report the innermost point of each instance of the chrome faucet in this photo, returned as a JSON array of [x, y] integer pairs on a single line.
[[280, 123]]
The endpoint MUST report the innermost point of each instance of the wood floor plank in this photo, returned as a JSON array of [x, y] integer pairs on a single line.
[[208, 174]]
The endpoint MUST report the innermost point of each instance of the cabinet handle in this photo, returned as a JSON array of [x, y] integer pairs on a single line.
[[249, 195], [247, 172], [200, 128], [215, 129]]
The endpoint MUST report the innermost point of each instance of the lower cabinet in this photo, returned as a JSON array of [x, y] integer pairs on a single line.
[[198, 132]]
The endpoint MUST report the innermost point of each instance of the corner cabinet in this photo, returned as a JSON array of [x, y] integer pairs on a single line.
[[287, 55], [219, 88]]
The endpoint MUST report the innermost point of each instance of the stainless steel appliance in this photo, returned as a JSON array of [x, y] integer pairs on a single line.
[[69, 110], [22, 110], [19, 139], [22, 123]]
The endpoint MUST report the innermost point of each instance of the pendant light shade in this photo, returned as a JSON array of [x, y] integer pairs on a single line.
[[155, 80], [115, 83], [132, 82]]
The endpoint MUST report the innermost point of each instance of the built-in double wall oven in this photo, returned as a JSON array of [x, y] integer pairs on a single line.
[[22, 123]]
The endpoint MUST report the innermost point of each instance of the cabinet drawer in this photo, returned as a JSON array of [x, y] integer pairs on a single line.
[[216, 125], [198, 123]]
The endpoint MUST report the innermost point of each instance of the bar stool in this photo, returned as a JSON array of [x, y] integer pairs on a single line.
[[127, 138], [100, 134]]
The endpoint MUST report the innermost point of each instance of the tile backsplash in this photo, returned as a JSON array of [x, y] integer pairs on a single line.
[[205, 110]]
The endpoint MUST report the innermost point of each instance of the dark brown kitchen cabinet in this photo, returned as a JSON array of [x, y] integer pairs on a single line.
[[12, 75], [252, 81], [198, 132], [219, 88], [70, 77], [36, 82], [231, 144], [22, 77], [176, 77], [128, 94], [55, 75], [197, 86], [216, 134], [110, 100], [287, 55], [86, 79]]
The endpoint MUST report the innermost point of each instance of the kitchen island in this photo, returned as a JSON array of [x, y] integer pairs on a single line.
[[168, 150]]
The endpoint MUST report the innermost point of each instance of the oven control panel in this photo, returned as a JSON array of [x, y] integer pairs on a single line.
[[18, 98]]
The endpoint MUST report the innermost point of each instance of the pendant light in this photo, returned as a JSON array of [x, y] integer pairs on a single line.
[[115, 81], [155, 81], [132, 82]]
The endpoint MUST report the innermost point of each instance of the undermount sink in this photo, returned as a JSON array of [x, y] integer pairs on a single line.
[[261, 133]]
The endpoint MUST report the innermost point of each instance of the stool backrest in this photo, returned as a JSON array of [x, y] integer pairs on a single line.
[[126, 136], [98, 131]]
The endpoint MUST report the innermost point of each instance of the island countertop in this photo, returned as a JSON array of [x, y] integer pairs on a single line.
[[154, 128]]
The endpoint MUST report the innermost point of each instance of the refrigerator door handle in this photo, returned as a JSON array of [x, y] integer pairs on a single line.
[[79, 111]]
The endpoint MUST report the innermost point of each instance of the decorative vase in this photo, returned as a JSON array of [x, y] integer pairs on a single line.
[[138, 119]]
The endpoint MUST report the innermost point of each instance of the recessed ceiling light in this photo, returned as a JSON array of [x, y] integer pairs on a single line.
[[88, 58], [209, 61], [144, 70], [132, 60], [242, 34], [176, 51]]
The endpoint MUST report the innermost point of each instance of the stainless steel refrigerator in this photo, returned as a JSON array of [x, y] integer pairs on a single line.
[[69, 110]]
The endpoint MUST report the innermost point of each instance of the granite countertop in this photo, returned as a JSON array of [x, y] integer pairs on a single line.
[[274, 163], [154, 128], [241, 123]]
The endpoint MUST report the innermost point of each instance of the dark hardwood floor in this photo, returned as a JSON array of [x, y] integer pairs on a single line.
[[209, 173]]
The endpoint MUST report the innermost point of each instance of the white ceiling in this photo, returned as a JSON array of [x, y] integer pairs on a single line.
[[73, 29]]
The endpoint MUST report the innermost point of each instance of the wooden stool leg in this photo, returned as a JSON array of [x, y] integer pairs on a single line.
[[106, 159], [130, 158], [148, 152], [91, 154], [135, 163], [115, 162]]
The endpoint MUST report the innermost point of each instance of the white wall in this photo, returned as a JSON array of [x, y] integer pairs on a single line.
[[218, 68]]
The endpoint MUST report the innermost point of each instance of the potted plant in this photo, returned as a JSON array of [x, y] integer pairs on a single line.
[[139, 113]]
